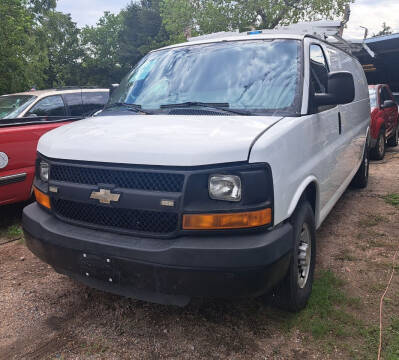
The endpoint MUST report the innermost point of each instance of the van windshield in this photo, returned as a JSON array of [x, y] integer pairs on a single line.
[[13, 105], [261, 76]]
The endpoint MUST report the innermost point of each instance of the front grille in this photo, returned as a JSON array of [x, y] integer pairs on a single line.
[[118, 219], [129, 179]]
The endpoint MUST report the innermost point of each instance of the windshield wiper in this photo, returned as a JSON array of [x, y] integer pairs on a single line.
[[132, 107], [218, 106]]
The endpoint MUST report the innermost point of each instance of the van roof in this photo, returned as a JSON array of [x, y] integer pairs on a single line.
[[238, 37]]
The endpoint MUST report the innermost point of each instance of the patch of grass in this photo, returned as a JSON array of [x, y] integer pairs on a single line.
[[14, 231], [329, 318], [392, 199], [371, 220], [391, 348], [318, 315], [371, 338]]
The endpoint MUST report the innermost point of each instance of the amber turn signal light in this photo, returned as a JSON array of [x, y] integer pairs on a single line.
[[42, 198], [241, 220]]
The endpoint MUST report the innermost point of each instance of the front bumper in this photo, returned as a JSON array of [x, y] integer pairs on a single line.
[[167, 271]]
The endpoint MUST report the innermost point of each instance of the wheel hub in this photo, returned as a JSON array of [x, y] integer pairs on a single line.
[[304, 256]]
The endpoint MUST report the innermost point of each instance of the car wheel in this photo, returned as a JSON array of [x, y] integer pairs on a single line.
[[378, 152], [361, 178], [393, 140], [294, 291]]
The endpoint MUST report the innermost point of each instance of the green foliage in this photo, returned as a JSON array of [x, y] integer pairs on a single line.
[[142, 31], [392, 348], [392, 199], [182, 17], [386, 30], [118, 42], [14, 231], [320, 316], [100, 63], [21, 62], [42, 47], [59, 37]]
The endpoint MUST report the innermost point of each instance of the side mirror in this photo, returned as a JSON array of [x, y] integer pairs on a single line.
[[341, 89], [388, 104], [112, 88]]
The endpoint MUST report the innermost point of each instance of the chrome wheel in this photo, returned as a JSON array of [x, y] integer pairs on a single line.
[[304, 255]]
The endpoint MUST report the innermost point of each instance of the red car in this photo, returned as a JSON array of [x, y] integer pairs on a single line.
[[24, 118], [384, 120]]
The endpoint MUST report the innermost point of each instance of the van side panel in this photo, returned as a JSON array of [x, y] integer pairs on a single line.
[[312, 146], [355, 116]]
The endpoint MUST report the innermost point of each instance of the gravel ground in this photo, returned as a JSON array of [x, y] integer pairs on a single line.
[[44, 315]]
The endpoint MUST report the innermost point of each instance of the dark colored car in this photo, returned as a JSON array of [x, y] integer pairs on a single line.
[[384, 120]]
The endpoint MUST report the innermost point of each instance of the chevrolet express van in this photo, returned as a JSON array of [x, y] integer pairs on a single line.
[[222, 158]]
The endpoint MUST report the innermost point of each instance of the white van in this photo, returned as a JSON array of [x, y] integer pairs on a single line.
[[222, 158]]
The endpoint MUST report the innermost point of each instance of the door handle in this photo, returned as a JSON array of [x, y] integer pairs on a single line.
[[339, 123]]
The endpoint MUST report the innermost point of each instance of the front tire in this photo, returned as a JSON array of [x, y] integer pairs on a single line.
[[361, 178], [393, 140], [378, 152], [294, 291]]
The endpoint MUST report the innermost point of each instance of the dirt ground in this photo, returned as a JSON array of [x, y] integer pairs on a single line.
[[44, 315]]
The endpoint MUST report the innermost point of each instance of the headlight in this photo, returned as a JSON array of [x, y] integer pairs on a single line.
[[44, 171], [225, 187]]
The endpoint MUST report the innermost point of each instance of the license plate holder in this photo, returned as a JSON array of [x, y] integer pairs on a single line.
[[99, 268]]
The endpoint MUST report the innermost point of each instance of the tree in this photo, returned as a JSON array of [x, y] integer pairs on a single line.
[[207, 16], [39, 7], [21, 62], [142, 31], [100, 63], [58, 37], [386, 30]]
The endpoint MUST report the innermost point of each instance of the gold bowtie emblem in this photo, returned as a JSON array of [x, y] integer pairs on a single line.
[[105, 196]]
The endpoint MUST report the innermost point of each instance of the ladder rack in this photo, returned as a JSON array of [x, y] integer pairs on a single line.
[[324, 29]]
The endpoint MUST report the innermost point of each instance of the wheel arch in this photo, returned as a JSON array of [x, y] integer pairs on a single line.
[[309, 190]]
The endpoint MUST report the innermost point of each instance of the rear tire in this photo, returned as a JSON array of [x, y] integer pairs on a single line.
[[361, 178], [378, 152], [294, 291], [393, 140]]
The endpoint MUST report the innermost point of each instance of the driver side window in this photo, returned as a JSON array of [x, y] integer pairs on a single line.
[[318, 75]]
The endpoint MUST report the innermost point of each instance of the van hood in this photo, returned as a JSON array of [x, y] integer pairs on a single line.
[[156, 139]]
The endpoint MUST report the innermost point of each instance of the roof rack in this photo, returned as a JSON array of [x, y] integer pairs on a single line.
[[323, 29]]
